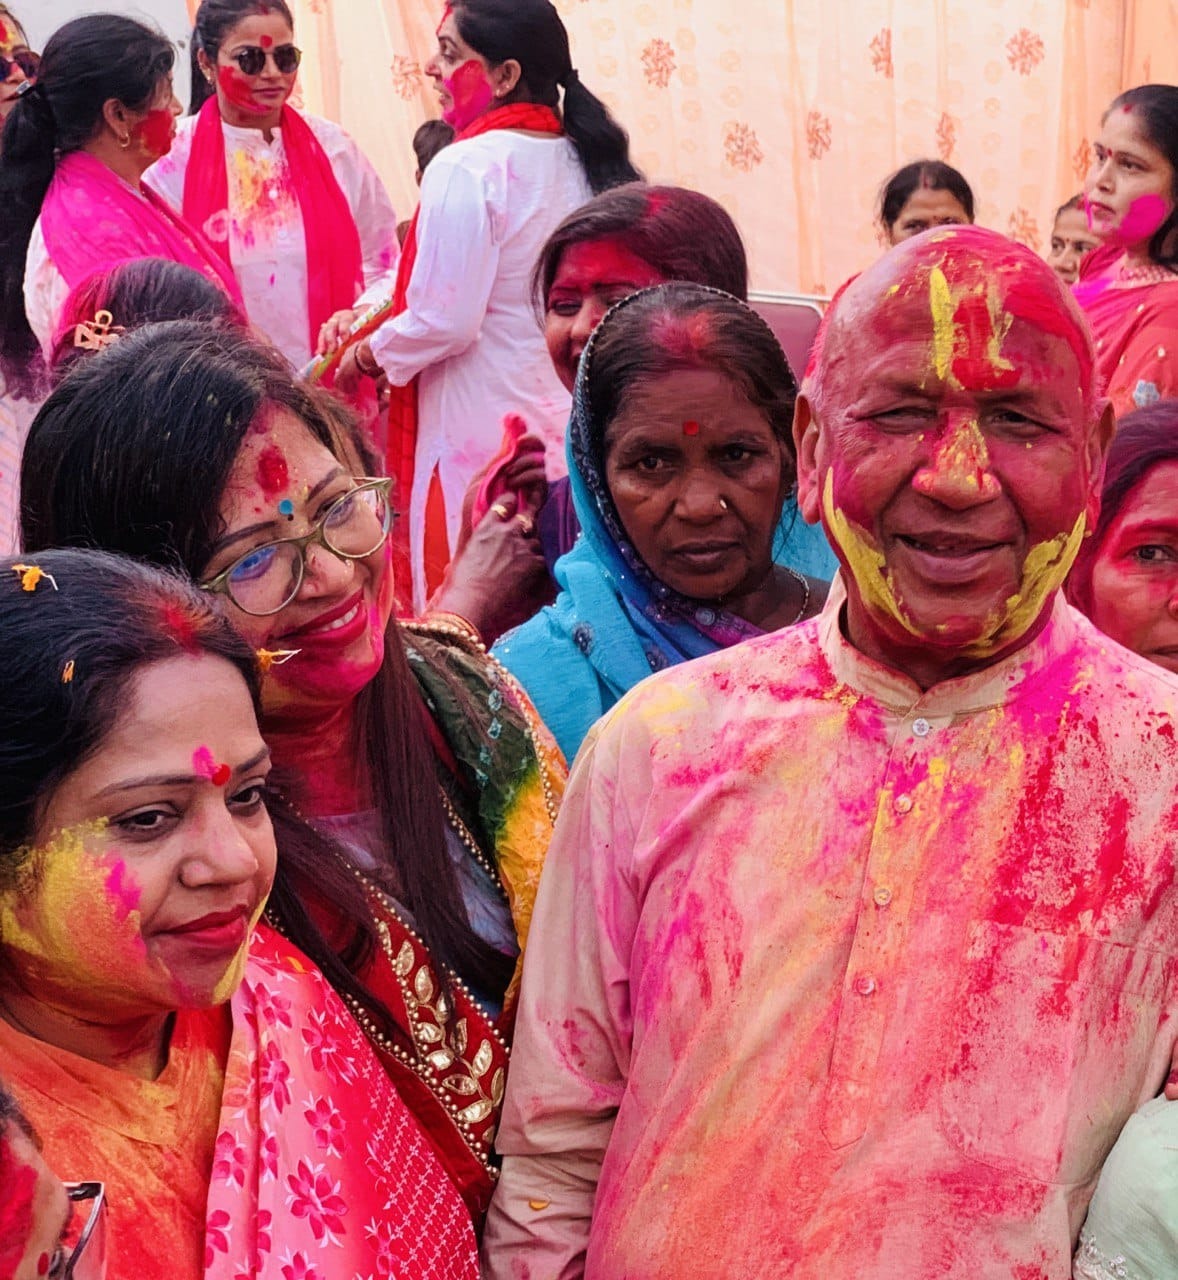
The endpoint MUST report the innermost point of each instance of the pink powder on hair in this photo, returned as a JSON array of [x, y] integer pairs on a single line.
[[683, 338], [179, 623]]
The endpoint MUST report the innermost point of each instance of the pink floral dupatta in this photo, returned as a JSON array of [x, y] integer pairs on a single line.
[[320, 1171], [92, 220]]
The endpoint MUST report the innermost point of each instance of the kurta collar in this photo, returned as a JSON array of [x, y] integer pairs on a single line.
[[993, 686]]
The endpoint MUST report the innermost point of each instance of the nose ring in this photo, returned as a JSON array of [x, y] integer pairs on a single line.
[[723, 504]]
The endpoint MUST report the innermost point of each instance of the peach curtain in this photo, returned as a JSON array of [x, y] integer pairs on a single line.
[[790, 112]]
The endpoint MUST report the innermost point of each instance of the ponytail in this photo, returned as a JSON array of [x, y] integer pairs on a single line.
[[602, 144], [531, 33], [86, 62], [27, 149]]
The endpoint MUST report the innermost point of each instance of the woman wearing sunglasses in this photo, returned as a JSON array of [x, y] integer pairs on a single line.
[[18, 62], [75, 147], [289, 200], [412, 747]]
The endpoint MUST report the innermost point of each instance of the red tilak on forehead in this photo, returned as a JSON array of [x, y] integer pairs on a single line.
[[446, 12], [691, 428], [267, 42], [973, 364], [272, 472]]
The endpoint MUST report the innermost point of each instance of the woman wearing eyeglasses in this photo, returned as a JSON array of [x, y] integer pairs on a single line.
[[75, 147], [412, 747], [158, 1033], [288, 199]]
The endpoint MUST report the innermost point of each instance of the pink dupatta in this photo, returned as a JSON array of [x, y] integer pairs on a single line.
[[320, 1172], [92, 220]]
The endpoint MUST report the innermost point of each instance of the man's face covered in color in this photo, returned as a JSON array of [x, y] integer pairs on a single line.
[[950, 443]]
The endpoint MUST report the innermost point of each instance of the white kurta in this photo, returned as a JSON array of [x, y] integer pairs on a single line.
[[266, 242], [470, 332]]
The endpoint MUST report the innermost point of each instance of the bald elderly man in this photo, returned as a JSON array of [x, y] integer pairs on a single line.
[[853, 949]]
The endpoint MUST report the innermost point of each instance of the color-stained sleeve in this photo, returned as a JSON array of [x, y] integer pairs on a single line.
[[572, 1047], [376, 219], [457, 262], [1148, 369]]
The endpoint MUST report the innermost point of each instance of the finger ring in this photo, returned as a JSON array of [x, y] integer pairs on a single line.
[[526, 523], [500, 510]]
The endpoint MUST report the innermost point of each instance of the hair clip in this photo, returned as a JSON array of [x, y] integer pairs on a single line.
[[93, 335], [268, 658], [31, 574], [25, 86], [67, 672]]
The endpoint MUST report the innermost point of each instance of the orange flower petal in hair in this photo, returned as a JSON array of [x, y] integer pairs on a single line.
[[268, 658], [30, 575]]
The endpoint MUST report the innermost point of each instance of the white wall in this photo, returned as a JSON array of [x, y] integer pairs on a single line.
[[41, 18]]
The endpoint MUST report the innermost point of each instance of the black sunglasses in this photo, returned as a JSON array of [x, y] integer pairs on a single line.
[[26, 59], [251, 58]]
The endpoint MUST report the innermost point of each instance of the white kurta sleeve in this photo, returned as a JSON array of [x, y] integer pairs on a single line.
[[457, 263], [571, 1054], [45, 290]]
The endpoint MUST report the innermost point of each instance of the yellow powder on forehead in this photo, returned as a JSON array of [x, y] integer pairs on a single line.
[[941, 307], [954, 339]]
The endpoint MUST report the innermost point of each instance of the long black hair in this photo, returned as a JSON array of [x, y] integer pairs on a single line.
[[72, 645], [531, 33], [86, 62], [132, 452], [214, 20], [1156, 107]]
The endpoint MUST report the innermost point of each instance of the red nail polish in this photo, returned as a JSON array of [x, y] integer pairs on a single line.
[[43, 1265], [1172, 1078]]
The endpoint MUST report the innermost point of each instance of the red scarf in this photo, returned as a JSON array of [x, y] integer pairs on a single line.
[[335, 263], [402, 440]]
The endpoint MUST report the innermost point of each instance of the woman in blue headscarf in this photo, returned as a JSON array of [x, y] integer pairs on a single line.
[[681, 464]]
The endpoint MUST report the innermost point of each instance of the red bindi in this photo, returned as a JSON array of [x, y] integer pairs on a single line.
[[691, 428], [272, 472], [220, 775], [267, 42]]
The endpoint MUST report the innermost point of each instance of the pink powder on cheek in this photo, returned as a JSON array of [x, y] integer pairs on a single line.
[[272, 473], [470, 94], [122, 890], [1144, 217]]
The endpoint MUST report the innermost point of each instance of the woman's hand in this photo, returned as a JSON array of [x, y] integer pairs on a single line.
[[334, 330], [524, 475], [499, 578]]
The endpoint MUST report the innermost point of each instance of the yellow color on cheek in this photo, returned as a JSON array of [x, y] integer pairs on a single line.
[[78, 924], [227, 987], [864, 559], [1044, 571]]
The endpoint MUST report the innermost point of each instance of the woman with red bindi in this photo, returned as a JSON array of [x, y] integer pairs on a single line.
[[288, 199], [922, 195], [424, 769], [160, 1036], [1128, 288], [460, 343], [681, 467], [76, 146]]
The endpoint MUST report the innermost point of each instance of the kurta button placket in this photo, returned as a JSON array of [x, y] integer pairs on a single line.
[[903, 804], [921, 727]]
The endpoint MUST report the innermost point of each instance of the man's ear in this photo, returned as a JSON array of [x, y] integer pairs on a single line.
[[806, 435]]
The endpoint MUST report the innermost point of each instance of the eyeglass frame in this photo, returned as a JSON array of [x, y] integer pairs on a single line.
[[78, 1192], [219, 583], [250, 50]]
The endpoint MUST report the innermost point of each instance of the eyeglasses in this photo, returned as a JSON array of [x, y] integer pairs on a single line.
[[85, 1259], [266, 579], [251, 58]]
